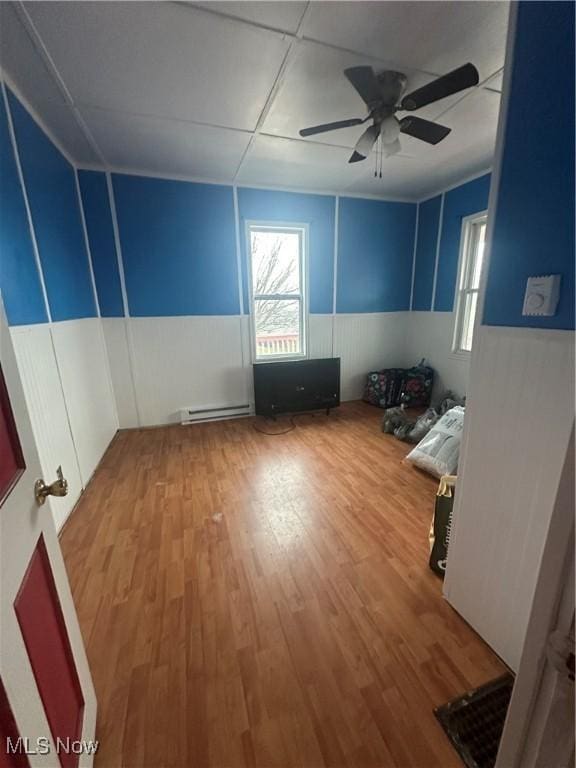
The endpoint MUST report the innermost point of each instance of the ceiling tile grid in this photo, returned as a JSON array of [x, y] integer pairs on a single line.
[[220, 90]]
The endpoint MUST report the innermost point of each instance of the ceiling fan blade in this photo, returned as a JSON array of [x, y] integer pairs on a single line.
[[364, 81], [423, 129], [455, 81], [365, 143], [331, 126]]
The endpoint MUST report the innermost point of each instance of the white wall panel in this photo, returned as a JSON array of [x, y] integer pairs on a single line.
[[83, 363], [508, 478], [186, 361], [367, 342], [320, 335], [206, 361], [115, 335], [429, 335], [45, 401]]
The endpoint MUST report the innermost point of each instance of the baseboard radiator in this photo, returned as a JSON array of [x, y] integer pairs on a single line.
[[215, 413]]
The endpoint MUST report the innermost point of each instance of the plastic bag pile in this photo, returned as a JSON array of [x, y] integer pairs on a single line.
[[437, 433], [438, 452]]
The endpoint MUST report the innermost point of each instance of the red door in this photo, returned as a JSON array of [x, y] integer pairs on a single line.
[[47, 701]]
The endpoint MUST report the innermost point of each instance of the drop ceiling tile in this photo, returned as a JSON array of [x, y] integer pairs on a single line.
[[64, 127], [315, 90], [161, 59], [467, 150], [22, 62], [474, 121], [401, 177], [161, 146], [495, 83], [431, 36], [277, 15], [287, 163]]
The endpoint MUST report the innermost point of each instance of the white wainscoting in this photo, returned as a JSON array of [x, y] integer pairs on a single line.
[[186, 361], [320, 328], [367, 342], [518, 423], [203, 362], [116, 331], [429, 335], [83, 363], [45, 401]]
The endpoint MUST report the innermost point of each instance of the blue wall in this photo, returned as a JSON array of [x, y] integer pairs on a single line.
[[534, 221], [318, 211], [375, 250], [51, 188], [19, 279], [178, 246], [459, 202], [428, 225], [98, 217]]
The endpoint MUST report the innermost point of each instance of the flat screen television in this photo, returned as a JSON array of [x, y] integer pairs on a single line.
[[296, 385]]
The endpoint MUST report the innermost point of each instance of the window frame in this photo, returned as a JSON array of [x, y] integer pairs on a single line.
[[463, 284], [288, 227]]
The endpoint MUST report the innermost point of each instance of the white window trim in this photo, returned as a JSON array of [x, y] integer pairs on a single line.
[[304, 282], [462, 280]]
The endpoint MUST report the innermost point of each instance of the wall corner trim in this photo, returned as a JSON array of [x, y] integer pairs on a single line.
[[438, 243], [416, 223]]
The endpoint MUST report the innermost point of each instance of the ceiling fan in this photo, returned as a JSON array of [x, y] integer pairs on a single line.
[[382, 93]]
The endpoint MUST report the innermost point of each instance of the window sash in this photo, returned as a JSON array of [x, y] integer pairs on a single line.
[[475, 230], [299, 296], [467, 319], [468, 287]]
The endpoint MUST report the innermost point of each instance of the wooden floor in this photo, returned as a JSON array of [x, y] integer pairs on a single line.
[[263, 601]]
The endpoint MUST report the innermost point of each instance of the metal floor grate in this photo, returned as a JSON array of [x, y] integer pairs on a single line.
[[474, 722]]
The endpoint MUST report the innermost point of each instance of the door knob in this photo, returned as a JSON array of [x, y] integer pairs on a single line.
[[58, 488]]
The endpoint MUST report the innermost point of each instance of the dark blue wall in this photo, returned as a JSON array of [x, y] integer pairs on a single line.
[[178, 246], [19, 279], [459, 202], [318, 211], [534, 221], [428, 224], [98, 217], [51, 188], [375, 250]]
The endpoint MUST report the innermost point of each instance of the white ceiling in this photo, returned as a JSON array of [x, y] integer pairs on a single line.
[[219, 90]]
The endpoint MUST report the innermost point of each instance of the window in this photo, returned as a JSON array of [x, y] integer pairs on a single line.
[[471, 257], [277, 268]]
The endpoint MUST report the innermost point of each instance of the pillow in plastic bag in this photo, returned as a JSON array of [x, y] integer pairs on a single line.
[[438, 452]]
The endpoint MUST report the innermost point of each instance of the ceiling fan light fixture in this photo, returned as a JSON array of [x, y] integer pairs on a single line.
[[392, 148], [390, 130]]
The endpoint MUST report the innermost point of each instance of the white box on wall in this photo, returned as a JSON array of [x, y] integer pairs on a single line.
[[541, 297]]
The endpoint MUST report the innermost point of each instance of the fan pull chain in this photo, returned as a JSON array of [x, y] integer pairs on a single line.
[[376, 158], [381, 153]]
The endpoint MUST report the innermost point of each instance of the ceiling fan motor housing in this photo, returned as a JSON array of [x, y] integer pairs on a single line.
[[392, 86]]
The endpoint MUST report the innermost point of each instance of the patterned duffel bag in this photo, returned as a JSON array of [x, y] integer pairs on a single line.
[[417, 385], [384, 388]]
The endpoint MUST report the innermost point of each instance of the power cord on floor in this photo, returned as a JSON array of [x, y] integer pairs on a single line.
[[291, 420]]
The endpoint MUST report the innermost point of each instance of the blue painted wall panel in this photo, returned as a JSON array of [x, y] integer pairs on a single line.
[[51, 188], [19, 279], [375, 250], [178, 246], [428, 224], [534, 221], [94, 190], [318, 212], [462, 201]]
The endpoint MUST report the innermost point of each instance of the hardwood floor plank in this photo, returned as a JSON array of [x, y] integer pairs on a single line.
[[255, 601]]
